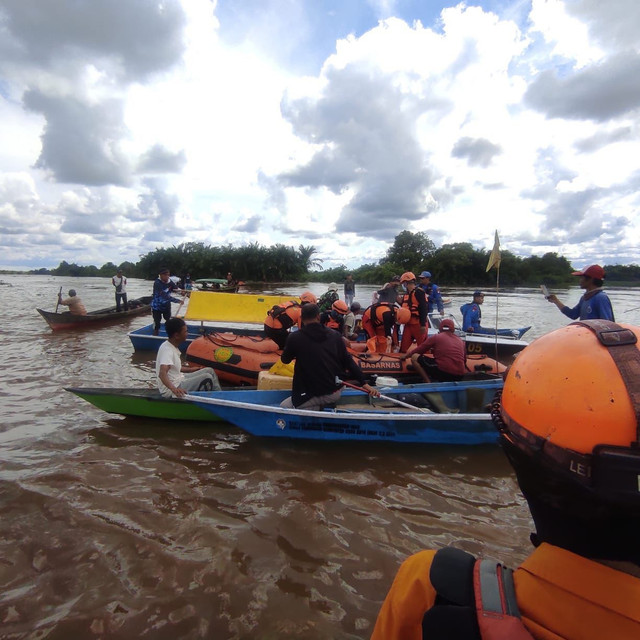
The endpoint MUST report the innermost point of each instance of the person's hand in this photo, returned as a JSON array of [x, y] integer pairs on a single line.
[[470, 330], [372, 391], [553, 298], [179, 392], [442, 312]]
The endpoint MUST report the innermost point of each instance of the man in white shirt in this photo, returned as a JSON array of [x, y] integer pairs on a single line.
[[175, 379], [120, 283]]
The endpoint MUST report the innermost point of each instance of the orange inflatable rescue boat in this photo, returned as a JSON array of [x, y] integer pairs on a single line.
[[238, 360]]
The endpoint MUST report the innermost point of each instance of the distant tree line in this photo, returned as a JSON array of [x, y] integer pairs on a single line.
[[457, 264]]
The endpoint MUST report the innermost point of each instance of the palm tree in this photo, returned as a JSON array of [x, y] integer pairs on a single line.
[[306, 258]]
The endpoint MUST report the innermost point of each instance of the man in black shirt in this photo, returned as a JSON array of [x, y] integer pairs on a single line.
[[322, 360]]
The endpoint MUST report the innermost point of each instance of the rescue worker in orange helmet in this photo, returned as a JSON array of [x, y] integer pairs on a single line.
[[379, 322], [415, 299], [572, 436], [280, 318], [334, 318]]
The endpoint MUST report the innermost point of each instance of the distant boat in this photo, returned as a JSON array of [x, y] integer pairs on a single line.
[[218, 284], [68, 320], [458, 414]]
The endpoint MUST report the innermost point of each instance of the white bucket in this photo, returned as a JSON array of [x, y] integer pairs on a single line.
[[386, 381]]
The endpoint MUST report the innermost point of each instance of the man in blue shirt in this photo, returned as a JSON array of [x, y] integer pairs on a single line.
[[595, 303], [434, 297], [162, 298]]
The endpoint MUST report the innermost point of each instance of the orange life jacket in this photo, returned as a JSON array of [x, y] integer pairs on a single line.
[[283, 316]]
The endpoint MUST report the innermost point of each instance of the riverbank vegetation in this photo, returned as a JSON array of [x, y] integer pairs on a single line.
[[457, 264]]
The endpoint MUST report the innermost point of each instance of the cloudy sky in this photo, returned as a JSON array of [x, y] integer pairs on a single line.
[[126, 125]]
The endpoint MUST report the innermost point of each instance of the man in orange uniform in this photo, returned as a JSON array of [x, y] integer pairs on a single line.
[[415, 299], [379, 322], [572, 438], [280, 318], [449, 361]]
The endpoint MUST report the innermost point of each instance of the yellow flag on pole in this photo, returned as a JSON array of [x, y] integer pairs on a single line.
[[494, 258]]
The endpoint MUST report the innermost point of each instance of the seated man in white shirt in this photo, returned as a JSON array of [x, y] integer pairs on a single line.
[[175, 379]]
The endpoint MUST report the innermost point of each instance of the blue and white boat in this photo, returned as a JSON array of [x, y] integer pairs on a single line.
[[457, 414]]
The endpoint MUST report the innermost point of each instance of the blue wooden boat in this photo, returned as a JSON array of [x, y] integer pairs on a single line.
[[143, 339], [458, 414]]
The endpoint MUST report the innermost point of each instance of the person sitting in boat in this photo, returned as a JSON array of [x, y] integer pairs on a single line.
[[328, 297], [322, 360], [73, 302], [231, 281], [162, 298], [448, 363], [472, 315], [379, 321], [280, 318], [175, 379], [352, 322], [334, 318], [434, 297], [595, 303], [576, 462], [415, 299]]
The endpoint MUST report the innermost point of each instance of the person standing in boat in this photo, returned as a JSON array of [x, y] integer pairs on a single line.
[[322, 360], [175, 379], [120, 283], [379, 321], [449, 361], [73, 302], [432, 291], [162, 298], [280, 318], [328, 297], [388, 293], [349, 290], [595, 303], [415, 299]]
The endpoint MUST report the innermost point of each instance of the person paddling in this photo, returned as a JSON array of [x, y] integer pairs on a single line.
[[73, 302]]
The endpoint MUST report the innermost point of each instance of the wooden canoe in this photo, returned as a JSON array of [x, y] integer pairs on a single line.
[[67, 320]]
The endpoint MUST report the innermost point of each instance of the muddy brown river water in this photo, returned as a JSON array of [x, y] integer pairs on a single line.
[[129, 528]]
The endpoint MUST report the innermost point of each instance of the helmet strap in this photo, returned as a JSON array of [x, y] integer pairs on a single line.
[[620, 344]]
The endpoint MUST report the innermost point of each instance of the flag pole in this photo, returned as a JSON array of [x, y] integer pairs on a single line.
[[494, 261]]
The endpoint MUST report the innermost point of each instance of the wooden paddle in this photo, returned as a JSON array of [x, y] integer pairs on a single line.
[[58, 303], [388, 398]]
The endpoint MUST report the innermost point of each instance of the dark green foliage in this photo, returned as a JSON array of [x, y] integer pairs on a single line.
[[457, 264]]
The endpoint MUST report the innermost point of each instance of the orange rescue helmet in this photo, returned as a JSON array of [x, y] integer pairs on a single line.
[[569, 423], [565, 387], [306, 297], [407, 276], [403, 315], [340, 306]]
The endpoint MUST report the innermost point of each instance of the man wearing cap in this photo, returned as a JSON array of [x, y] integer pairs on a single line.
[[595, 303], [448, 363], [73, 302], [434, 297], [328, 297], [120, 283], [472, 315], [415, 299]]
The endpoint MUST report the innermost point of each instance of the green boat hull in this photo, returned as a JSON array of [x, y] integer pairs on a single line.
[[143, 403]]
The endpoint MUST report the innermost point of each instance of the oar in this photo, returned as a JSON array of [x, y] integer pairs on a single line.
[[388, 398], [179, 307], [58, 303]]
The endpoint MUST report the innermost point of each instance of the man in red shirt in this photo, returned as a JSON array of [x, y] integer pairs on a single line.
[[448, 363]]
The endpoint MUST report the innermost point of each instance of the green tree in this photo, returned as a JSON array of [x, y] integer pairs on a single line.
[[409, 250]]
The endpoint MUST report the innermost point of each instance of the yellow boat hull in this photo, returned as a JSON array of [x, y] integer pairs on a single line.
[[231, 307]]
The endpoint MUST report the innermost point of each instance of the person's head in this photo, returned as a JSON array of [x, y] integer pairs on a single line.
[[349, 276], [395, 280], [340, 307], [591, 277], [173, 326], [332, 286], [408, 280], [310, 313], [72, 293], [478, 297], [306, 297], [164, 274], [425, 277], [355, 307], [403, 315], [119, 272], [447, 325], [568, 425]]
